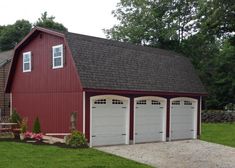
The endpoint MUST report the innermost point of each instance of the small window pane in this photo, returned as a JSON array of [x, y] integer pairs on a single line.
[[188, 103], [57, 61], [115, 101], [141, 102], [155, 102], [100, 101], [26, 58], [176, 102], [26, 66]]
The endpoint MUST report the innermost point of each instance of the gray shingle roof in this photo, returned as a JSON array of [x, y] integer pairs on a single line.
[[5, 57], [108, 64]]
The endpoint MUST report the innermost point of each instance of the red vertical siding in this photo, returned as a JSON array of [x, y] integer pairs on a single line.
[[50, 94]]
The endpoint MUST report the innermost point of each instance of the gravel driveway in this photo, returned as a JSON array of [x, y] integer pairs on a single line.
[[177, 154]]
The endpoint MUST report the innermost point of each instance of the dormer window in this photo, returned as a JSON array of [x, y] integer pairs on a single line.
[[27, 62], [57, 56]]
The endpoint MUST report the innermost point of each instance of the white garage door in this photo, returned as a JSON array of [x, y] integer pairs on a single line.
[[183, 118], [110, 121], [150, 120]]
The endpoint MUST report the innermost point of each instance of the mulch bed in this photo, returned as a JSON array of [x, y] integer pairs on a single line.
[[61, 145]]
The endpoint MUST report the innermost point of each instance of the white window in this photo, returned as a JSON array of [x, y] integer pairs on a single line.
[[188, 103], [27, 62], [57, 59], [100, 101], [155, 102], [141, 102], [115, 101], [176, 102]]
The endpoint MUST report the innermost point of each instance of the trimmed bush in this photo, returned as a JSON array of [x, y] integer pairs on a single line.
[[36, 126], [15, 117], [76, 140], [217, 116]]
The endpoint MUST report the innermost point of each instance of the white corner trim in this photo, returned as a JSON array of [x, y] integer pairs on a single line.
[[200, 111], [11, 108], [84, 112]]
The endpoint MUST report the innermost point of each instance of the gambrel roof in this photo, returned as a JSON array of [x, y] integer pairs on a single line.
[[114, 65], [109, 64]]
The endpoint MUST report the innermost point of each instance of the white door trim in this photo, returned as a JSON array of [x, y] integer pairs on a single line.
[[164, 114], [195, 114], [127, 111]]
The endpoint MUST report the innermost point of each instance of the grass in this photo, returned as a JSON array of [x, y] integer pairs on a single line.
[[221, 133], [22, 155]]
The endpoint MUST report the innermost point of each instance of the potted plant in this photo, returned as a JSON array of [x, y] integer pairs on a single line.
[[23, 128]]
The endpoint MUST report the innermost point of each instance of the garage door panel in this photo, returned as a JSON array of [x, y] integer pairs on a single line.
[[109, 122], [110, 139], [182, 134], [149, 121], [150, 128], [150, 137], [111, 128], [182, 119]]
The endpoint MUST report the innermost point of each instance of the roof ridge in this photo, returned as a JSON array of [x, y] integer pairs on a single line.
[[126, 45]]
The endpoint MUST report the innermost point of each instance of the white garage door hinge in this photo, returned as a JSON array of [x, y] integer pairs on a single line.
[[160, 132], [161, 107], [123, 107], [136, 133], [123, 134], [191, 130], [93, 107], [93, 136]]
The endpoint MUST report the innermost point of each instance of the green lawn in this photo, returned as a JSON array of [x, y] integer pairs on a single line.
[[221, 133], [22, 155]]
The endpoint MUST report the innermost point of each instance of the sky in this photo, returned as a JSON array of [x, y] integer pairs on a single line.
[[87, 17]]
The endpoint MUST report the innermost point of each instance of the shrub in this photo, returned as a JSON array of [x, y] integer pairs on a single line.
[[30, 135], [217, 116], [37, 137], [36, 126], [23, 125], [15, 117], [76, 140]]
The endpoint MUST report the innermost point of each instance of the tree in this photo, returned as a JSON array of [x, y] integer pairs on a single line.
[[161, 24], [202, 30], [37, 126], [48, 22], [10, 35]]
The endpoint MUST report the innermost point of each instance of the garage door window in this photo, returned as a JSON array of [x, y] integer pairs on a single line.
[[187, 103], [155, 102], [100, 101], [141, 102], [115, 101], [176, 102]]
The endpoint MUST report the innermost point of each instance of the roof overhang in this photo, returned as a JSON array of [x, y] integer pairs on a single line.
[[159, 93]]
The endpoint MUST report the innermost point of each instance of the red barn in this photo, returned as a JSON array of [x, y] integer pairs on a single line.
[[121, 92]]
